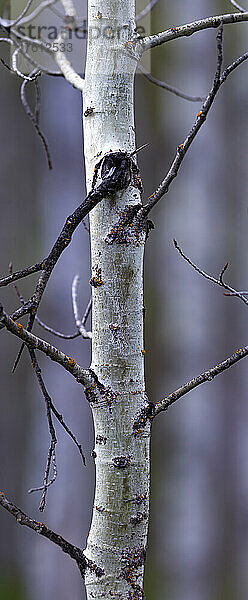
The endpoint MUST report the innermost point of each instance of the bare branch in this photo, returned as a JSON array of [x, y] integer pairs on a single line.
[[17, 70], [14, 68], [22, 20], [78, 320], [34, 118], [237, 6], [111, 183], [32, 341], [218, 282], [87, 311], [63, 62], [21, 274], [21, 518], [170, 88], [146, 10], [65, 67], [186, 30], [52, 407], [46, 483], [63, 336], [203, 378], [200, 119], [23, 13], [51, 452]]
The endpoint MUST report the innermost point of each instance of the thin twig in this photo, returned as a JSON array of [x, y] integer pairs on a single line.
[[35, 120], [218, 282], [33, 15], [87, 311], [51, 452], [146, 10], [78, 320], [63, 336], [170, 88], [23, 13], [237, 6], [203, 378], [16, 69], [37, 102], [52, 408]]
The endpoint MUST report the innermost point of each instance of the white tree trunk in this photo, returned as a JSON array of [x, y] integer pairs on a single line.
[[117, 538]]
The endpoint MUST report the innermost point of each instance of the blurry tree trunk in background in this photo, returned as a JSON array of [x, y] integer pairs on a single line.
[[58, 195], [18, 198]]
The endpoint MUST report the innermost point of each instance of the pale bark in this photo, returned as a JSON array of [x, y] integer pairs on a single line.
[[117, 538]]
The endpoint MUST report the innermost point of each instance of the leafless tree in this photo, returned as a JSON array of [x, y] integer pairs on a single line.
[[114, 385]]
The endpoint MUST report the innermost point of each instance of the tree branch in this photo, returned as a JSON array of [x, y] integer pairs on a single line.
[[21, 274], [49, 402], [183, 148], [34, 118], [21, 518], [203, 378], [51, 452], [59, 334], [81, 375], [146, 10], [186, 30], [237, 6], [170, 88], [113, 180], [219, 281], [79, 324]]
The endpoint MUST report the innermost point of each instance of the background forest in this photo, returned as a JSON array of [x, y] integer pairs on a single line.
[[198, 544]]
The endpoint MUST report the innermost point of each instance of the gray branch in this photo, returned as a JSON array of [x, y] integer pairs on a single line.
[[201, 116], [173, 33], [220, 282], [81, 375], [203, 378]]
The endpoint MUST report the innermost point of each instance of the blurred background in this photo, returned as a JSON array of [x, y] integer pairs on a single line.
[[198, 540]]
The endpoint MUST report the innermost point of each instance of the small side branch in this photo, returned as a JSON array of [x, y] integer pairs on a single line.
[[64, 336], [36, 343], [146, 10], [34, 117], [220, 282], [52, 408], [237, 6], [203, 378], [170, 88], [78, 320], [186, 30], [21, 518], [51, 453], [21, 274]]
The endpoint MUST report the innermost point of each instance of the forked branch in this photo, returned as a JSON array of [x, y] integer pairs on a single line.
[[220, 282]]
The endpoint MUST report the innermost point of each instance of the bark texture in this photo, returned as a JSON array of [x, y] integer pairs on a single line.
[[117, 538]]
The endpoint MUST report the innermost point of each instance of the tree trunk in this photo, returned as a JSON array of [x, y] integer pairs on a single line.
[[117, 538]]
